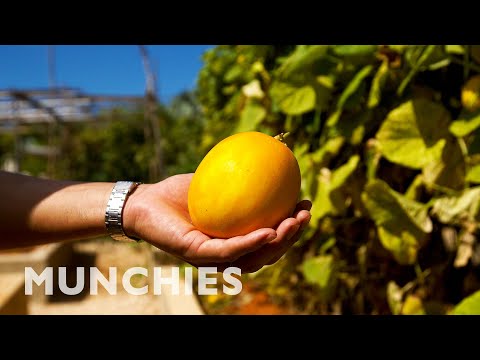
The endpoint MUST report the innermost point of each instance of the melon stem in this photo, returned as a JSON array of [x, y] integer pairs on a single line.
[[281, 137]]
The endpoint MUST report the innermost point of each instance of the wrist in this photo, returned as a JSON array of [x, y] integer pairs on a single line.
[[132, 211]]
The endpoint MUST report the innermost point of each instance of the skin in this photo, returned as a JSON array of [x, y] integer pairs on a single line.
[[37, 211]]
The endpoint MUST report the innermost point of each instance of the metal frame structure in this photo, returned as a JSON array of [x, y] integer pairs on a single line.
[[55, 105]]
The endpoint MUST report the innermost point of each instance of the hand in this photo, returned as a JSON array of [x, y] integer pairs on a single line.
[[158, 214]]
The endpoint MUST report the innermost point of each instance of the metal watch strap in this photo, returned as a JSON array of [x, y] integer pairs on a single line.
[[114, 211]]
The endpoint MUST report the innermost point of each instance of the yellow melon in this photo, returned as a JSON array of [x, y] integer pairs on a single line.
[[247, 181]]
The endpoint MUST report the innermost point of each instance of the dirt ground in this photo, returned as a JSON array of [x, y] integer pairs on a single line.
[[105, 254]]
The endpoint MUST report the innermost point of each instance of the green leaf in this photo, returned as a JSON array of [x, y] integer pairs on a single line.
[[413, 134], [402, 244], [468, 122], [413, 306], [378, 83], [233, 74], [304, 158], [340, 175], [251, 116], [328, 150], [415, 187], [354, 50], [454, 49], [449, 170], [455, 209], [473, 174], [317, 270], [293, 100], [320, 271], [329, 198], [402, 223], [468, 306], [332, 120], [354, 85], [352, 127], [323, 93], [300, 58], [327, 245]]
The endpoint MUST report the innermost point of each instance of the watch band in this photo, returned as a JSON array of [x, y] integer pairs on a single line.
[[114, 211]]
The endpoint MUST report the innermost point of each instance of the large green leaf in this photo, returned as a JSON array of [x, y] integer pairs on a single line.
[[300, 58], [467, 123], [252, 115], [293, 100], [402, 223], [329, 198], [468, 306], [413, 134], [455, 209]]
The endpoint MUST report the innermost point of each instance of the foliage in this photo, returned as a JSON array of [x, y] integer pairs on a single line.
[[388, 143]]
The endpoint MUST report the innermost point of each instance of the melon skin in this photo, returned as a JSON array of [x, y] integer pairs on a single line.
[[247, 181]]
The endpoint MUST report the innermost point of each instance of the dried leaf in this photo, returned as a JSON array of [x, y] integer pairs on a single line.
[[456, 209], [465, 250]]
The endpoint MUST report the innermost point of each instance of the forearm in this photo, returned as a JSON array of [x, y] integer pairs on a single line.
[[35, 211]]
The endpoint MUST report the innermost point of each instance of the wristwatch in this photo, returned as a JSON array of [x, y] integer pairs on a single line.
[[114, 211]]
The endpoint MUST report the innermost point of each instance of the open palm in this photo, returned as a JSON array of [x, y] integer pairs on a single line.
[[162, 219]]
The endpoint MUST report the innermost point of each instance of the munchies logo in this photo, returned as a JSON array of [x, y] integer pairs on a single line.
[[205, 279]]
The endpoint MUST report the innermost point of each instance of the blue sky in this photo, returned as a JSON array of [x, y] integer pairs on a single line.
[[102, 69]]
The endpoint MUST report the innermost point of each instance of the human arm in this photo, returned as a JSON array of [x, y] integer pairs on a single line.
[[35, 211]]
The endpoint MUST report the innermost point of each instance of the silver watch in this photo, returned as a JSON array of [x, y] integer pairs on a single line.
[[114, 211]]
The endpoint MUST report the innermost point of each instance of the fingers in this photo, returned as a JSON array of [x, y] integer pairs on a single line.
[[204, 249], [302, 205], [287, 235], [251, 252], [284, 248]]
